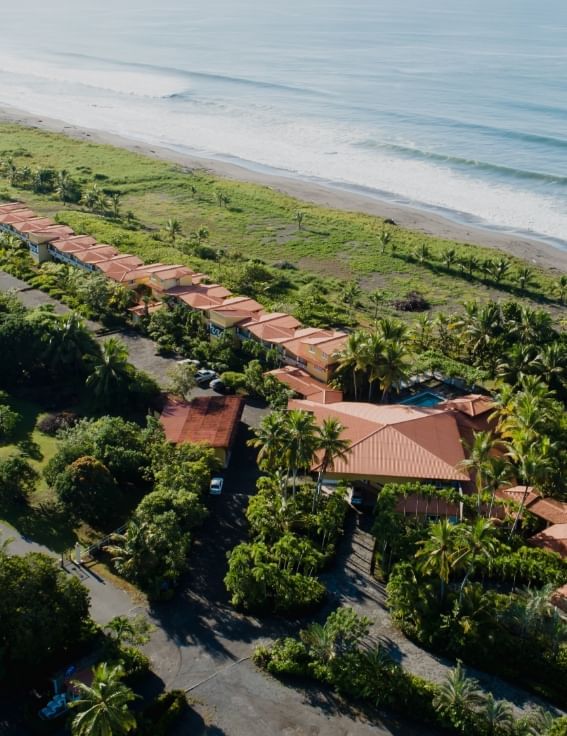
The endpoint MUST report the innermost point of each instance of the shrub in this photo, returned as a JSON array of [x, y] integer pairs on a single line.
[[413, 301], [234, 380], [160, 715], [17, 479], [134, 662], [285, 657], [53, 423], [9, 420], [88, 490]]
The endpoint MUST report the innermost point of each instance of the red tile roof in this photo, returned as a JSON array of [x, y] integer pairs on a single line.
[[10, 207], [549, 509], [306, 386], [12, 216], [395, 440], [553, 538], [97, 254], [209, 419], [471, 404]]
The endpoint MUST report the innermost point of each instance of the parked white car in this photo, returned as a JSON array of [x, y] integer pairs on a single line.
[[204, 376], [215, 489], [189, 361]]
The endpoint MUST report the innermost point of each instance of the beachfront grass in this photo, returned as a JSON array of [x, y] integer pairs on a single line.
[[334, 247]]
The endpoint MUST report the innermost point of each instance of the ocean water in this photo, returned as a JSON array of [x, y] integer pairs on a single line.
[[457, 107]]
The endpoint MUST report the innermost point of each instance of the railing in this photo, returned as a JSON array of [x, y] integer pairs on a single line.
[[90, 552]]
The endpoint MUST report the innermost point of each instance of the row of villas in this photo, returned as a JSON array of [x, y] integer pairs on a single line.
[[310, 353]]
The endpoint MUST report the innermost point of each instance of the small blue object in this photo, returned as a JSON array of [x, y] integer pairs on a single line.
[[70, 670]]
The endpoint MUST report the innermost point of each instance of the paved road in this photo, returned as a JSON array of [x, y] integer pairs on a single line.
[[202, 645]]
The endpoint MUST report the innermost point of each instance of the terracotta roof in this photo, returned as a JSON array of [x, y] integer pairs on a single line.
[[553, 511], [553, 538], [306, 386], [97, 254], [66, 245], [33, 225], [209, 419], [471, 404], [10, 207], [52, 233], [272, 327], [141, 309], [12, 216], [174, 272], [395, 440], [516, 494]]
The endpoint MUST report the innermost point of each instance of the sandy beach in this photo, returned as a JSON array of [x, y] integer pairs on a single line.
[[536, 252]]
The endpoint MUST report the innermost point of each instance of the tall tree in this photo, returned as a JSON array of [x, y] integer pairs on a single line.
[[332, 446], [103, 707], [110, 370]]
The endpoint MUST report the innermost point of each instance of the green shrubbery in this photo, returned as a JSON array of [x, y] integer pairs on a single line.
[[160, 715], [337, 654]]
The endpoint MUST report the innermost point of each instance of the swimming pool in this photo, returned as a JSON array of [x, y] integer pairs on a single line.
[[425, 398]]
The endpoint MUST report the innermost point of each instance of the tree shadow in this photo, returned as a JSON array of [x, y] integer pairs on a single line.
[[30, 448], [46, 524], [192, 722]]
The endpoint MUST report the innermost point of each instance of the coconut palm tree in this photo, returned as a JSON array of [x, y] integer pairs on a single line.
[[393, 367], [374, 347], [350, 293], [115, 198], [110, 370], [301, 442], [384, 239], [532, 462], [458, 693], [449, 257], [497, 473], [498, 716], [69, 343], [376, 298], [102, 707], [500, 268], [173, 229], [422, 332], [479, 451], [393, 329], [476, 541], [525, 277], [333, 447], [438, 552], [352, 358], [561, 288], [269, 437], [65, 187]]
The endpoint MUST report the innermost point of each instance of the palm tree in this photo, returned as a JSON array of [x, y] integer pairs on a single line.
[[352, 358], [384, 239], [300, 443], [393, 368], [64, 187], [270, 436], [350, 293], [500, 268], [458, 693], [393, 329], [532, 461], [319, 642], [422, 253], [525, 277], [497, 472], [376, 298], [561, 288], [110, 371], [69, 342], [437, 553], [498, 716], [422, 332], [173, 229], [478, 541], [299, 217], [471, 264], [115, 198], [374, 347], [479, 452], [333, 447], [449, 257], [102, 708]]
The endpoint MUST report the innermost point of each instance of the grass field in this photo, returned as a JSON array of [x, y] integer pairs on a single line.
[[42, 521], [331, 248]]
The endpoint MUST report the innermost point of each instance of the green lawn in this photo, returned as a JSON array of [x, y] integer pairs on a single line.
[[331, 248], [42, 521]]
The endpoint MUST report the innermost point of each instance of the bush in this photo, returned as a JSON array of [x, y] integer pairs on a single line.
[[285, 657], [9, 420], [158, 718], [53, 423], [134, 662], [88, 490], [413, 301], [234, 380], [17, 479]]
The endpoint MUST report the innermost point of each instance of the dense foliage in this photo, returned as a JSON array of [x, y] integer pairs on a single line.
[[337, 653], [43, 614]]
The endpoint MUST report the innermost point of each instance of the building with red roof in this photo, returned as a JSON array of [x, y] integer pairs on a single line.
[[211, 420]]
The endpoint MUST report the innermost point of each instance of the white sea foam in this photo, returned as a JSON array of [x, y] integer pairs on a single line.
[[135, 103]]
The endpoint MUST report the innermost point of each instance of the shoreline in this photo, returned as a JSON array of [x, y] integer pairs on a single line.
[[534, 251]]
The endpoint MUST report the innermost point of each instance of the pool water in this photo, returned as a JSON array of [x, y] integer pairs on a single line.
[[426, 398]]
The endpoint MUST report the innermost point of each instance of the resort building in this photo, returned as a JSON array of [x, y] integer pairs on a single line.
[[211, 420], [394, 443], [305, 386], [312, 350]]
